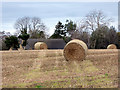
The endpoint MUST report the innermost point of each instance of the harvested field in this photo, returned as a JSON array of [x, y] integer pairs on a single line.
[[49, 69]]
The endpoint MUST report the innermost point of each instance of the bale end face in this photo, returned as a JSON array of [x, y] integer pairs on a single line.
[[40, 45], [112, 46], [75, 50]]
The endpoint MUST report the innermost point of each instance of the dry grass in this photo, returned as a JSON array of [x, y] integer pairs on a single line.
[[31, 69], [102, 51]]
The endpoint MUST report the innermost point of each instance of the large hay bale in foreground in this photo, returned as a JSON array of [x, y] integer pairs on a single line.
[[75, 50], [111, 46], [40, 45]]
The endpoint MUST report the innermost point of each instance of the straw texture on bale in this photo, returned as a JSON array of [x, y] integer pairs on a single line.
[[112, 46], [75, 50], [40, 45]]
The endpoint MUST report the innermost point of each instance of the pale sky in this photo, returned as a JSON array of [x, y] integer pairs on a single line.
[[52, 12]]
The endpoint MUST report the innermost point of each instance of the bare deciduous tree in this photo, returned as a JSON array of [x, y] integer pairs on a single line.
[[36, 24], [22, 23], [33, 26], [36, 28], [95, 19]]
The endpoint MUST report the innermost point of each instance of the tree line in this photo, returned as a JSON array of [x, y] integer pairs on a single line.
[[93, 29]]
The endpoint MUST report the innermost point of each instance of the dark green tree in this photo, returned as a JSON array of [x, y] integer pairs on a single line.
[[12, 42], [64, 31], [118, 39], [24, 36], [59, 31], [70, 27], [102, 37], [98, 38], [112, 36]]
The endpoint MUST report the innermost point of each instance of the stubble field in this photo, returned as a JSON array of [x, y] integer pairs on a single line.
[[49, 69]]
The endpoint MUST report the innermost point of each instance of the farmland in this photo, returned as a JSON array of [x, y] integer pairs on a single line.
[[49, 69]]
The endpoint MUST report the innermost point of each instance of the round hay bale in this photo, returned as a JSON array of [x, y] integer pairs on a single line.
[[111, 46], [40, 45], [75, 50]]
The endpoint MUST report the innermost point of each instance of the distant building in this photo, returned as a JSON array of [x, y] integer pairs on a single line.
[[51, 43]]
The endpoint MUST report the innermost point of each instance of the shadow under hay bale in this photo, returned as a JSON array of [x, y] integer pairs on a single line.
[[48, 60], [48, 64], [40, 45], [75, 50], [73, 66], [111, 46]]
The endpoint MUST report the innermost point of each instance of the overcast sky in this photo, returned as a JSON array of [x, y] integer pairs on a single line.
[[52, 12]]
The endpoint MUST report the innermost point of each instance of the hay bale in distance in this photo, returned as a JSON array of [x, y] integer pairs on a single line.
[[111, 46], [75, 50], [40, 45]]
